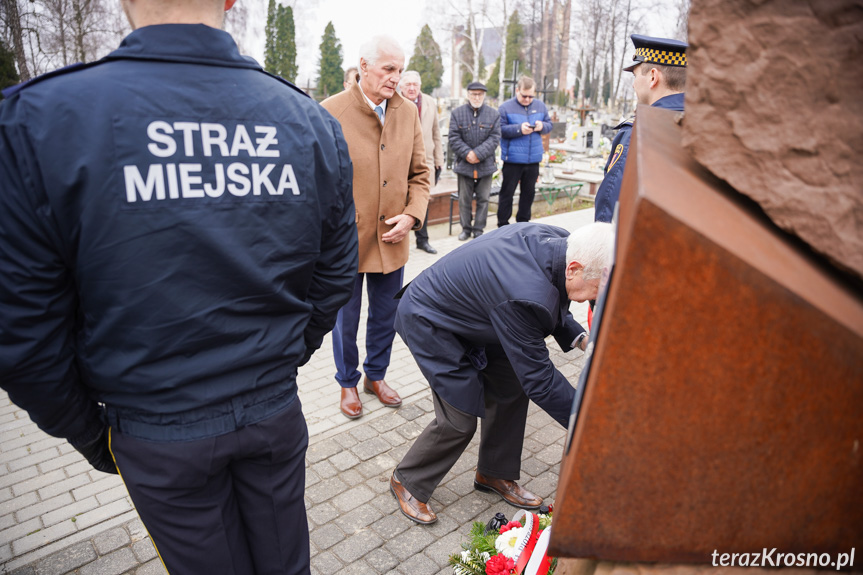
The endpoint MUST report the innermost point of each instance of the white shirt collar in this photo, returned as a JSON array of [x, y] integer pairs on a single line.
[[371, 104]]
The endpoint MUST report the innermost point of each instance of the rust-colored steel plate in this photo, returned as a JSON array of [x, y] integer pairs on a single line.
[[723, 409]]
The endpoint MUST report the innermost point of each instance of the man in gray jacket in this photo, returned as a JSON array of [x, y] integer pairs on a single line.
[[474, 133]]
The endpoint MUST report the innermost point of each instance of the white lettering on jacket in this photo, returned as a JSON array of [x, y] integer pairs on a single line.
[[190, 179]]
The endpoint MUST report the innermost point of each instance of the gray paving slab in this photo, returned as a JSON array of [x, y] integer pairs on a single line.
[[59, 516]]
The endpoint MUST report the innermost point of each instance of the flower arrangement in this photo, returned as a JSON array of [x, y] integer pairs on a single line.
[[501, 547]]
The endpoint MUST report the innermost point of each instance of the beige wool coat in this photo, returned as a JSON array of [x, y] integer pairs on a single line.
[[431, 131], [391, 175]]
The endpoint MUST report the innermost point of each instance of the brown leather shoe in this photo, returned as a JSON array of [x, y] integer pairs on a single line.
[[385, 393], [350, 404], [413, 509], [512, 492]]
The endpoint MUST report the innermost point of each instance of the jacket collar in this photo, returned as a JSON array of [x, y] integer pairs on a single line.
[[670, 102], [558, 270], [192, 43]]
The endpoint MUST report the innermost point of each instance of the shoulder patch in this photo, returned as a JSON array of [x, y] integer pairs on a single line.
[[618, 151]]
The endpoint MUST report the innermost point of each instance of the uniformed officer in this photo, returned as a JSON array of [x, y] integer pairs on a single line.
[[659, 70], [162, 278]]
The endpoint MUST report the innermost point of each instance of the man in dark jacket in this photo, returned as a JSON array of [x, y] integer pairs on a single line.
[[523, 121], [162, 279], [474, 133], [476, 323], [659, 78]]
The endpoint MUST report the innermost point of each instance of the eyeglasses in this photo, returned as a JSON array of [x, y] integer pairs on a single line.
[[525, 96]]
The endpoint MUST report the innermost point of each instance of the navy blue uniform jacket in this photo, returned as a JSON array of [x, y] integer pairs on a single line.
[[609, 190], [176, 236], [505, 288]]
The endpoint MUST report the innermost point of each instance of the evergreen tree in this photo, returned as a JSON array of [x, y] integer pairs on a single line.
[[8, 72], [493, 83], [330, 75], [514, 52], [427, 60], [280, 57]]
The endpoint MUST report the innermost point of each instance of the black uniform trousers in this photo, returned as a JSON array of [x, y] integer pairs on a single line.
[[230, 504], [513, 174], [443, 441]]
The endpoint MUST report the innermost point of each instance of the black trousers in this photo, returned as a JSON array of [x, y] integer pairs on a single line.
[[230, 504], [513, 174], [443, 441], [422, 234]]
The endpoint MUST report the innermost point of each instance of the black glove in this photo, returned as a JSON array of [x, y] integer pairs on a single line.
[[97, 453]]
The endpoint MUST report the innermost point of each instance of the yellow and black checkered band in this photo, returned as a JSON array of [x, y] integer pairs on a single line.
[[664, 57]]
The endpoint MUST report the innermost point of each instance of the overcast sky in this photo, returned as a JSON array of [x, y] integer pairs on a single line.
[[356, 21]]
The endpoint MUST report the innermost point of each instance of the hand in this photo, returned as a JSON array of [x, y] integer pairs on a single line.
[[97, 453], [403, 224], [538, 127], [472, 157], [526, 128]]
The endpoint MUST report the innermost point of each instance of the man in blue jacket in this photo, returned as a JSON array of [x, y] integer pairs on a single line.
[[659, 78], [176, 237], [476, 323], [523, 121]]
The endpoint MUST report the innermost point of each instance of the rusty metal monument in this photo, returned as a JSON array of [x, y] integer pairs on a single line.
[[722, 405]]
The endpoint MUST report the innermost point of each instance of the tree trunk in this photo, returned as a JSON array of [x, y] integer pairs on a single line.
[[564, 47], [14, 21]]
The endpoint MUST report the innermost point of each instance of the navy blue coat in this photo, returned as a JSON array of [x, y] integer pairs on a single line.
[[518, 148], [609, 190], [176, 236], [505, 288]]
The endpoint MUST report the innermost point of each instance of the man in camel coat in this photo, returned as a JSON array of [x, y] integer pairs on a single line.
[[391, 190]]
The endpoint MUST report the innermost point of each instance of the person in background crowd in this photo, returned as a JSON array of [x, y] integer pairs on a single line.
[[391, 190], [427, 106], [474, 133], [523, 121], [351, 77], [162, 279]]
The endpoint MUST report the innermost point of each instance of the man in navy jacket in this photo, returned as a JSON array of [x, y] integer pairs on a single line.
[[476, 323], [523, 121], [176, 237], [659, 77]]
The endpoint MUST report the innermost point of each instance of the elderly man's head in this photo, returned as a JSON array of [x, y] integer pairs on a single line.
[[411, 84], [351, 76], [382, 61], [588, 252]]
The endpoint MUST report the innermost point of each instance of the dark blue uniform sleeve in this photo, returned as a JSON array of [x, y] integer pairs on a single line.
[[518, 325], [609, 189], [336, 267], [38, 305]]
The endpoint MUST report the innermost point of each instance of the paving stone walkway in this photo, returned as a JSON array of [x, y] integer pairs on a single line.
[[59, 516]]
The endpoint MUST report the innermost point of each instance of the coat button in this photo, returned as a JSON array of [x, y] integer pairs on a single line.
[[383, 218], [383, 147], [385, 183]]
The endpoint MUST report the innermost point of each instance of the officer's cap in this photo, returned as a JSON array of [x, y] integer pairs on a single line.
[[657, 51], [476, 86]]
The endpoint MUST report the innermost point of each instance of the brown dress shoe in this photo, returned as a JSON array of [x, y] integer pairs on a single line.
[[413, 509], [512, 492], [385, 393], [350, 404]]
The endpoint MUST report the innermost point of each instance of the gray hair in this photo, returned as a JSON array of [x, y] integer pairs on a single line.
[[412, 73], [372, 50], [592, 246]]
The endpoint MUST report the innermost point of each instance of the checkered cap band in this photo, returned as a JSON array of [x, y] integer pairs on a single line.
[[664, 57]]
